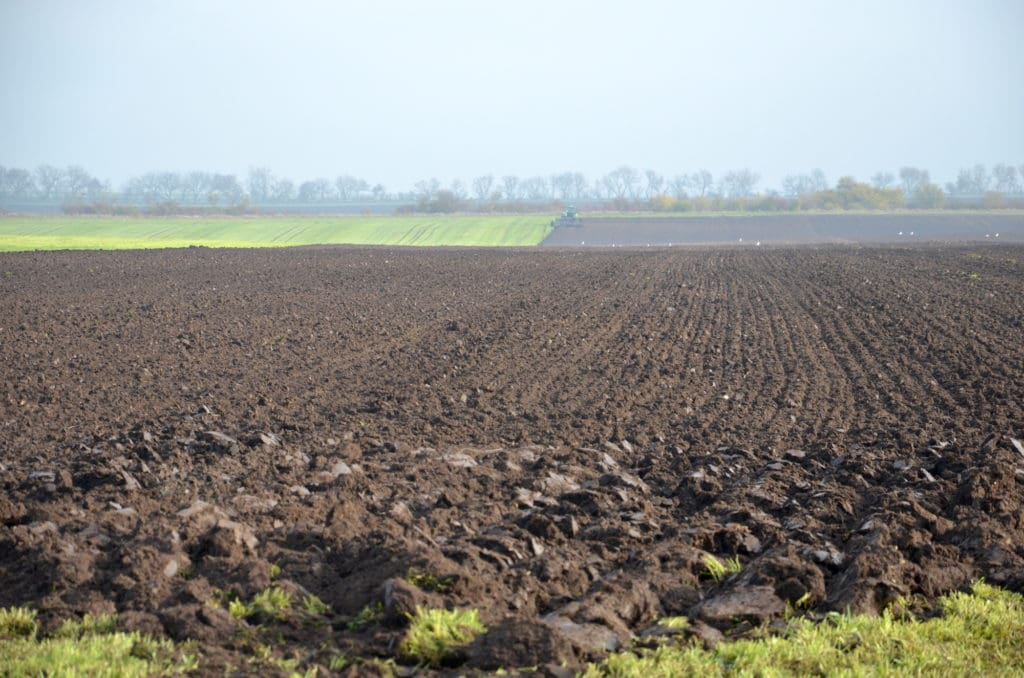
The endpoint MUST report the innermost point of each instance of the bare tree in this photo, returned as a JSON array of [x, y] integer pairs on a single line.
[[561, 185], [818, 180], [282, 190], [349, 187], [167, 185], [655, 183], [702, 182], [194, 186], [48, 180], [535, 188], [16, 183], [969, 181], [259, 182], [739, 183], [795, 185], [578, 189], [913, 178], [483, 187], [427, 188], [76, 182], [225, 187], [1005, 177], [679, 186], [149, 188], [510, 187], [379, 192], [316, 190], [621, 183], [458, 190], [883, 180]]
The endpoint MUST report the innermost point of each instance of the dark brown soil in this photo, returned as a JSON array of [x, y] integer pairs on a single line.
[[560, 437], [791, 228]]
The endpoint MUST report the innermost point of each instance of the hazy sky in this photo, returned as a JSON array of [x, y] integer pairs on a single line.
[[395, 91]]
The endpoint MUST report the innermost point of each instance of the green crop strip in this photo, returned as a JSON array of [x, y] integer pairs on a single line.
[[58, 233]]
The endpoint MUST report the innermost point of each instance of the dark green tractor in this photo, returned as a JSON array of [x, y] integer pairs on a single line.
[[570, 217]]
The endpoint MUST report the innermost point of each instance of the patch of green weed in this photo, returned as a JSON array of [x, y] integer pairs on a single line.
[[272, 603], [674, 622], [718, 570], [429, 582], [87, 625], [238, 608], [86, 647], [369, 615], [338, 662], [434, 633], [17, 622], [312, 604]]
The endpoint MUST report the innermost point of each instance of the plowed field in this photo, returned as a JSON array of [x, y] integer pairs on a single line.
[[557, 438], [901, 228]]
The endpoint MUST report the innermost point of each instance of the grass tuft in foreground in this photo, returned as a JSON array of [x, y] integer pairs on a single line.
[[312, 604], [89, 647], [271, 603], [17, 622], [977, 633], [434, 634], [718, 570], [368, 616]]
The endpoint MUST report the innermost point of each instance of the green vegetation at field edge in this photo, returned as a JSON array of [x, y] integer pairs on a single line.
[[972, 633], [976, 633], [90, 647]]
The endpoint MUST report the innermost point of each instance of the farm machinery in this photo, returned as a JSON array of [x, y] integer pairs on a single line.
[[570, 217]]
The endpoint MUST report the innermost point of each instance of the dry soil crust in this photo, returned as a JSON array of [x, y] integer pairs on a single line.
[[566, 434]]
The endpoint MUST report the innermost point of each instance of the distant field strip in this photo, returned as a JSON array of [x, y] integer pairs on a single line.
[[88, 233]]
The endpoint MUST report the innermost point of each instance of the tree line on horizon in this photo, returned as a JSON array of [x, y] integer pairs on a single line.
[[624, 188]]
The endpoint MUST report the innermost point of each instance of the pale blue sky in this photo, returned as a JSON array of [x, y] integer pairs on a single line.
[[397, 91]]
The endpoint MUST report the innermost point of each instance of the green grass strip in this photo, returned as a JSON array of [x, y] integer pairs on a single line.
[[86, 647], [978, 633], [57, 233]]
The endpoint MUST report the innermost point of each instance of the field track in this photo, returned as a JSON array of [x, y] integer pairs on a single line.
[[567, 433]]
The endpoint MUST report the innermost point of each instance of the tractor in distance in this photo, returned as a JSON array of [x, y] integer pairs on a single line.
[[570, 217]]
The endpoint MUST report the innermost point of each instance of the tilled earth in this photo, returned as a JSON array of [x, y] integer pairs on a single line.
[[557, 438], [905, 228]]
